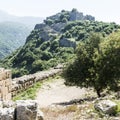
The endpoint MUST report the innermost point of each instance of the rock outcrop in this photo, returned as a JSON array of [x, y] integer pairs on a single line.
[[106, 106], [65, 42], [27, 110]]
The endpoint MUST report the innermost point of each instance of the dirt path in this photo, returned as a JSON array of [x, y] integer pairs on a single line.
[[56, 92]]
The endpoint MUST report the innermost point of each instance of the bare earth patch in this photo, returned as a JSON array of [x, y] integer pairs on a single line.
[[56, 92], [60, 102]]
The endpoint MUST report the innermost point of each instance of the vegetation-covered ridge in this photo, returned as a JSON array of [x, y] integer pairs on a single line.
[[54, 42], [12, 36]]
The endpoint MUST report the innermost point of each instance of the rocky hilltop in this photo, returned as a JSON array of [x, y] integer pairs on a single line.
[[65, 16]]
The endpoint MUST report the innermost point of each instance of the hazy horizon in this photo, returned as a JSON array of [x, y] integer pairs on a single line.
[[106, 10]]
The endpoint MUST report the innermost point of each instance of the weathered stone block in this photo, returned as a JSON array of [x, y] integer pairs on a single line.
[[26, 110]]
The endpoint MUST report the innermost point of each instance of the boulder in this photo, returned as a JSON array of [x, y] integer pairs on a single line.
[[28, 110], [7, 113], [106, 106]]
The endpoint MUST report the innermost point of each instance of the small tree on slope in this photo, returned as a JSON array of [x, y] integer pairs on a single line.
[[97, 64]]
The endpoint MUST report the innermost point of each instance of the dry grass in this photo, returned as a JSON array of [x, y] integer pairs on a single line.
[[84, 111], [70, 112]]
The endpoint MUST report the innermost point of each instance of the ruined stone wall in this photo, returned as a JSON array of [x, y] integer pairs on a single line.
[[5, 84], [20, 110], [11, 87], [22, 83]]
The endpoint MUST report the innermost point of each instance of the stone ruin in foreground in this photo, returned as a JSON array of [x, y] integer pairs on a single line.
[[5, 84], [21, 109]]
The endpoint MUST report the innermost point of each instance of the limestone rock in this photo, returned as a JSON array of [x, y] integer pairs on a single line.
[[106, 106], [28, 110], [7, 113]]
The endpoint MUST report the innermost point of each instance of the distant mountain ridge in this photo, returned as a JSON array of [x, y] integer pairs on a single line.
[[27, 20], [14, 30], [12, 36]]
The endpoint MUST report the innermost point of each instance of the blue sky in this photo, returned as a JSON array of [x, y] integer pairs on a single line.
[[103, 10]]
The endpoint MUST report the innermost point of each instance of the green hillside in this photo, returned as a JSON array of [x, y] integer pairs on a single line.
[[55, 41], [12, 36]]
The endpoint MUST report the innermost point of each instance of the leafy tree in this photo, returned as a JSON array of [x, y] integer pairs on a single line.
[[54, 45], [96, 65], [68, 34], [44, 45], [81, 35], [46, 55], [49, 21], [64, 20], [108, 64], [38, 65]]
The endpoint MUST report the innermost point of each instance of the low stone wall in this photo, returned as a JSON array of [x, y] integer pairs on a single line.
[[22, 83], [11, 87], [5, 84]]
